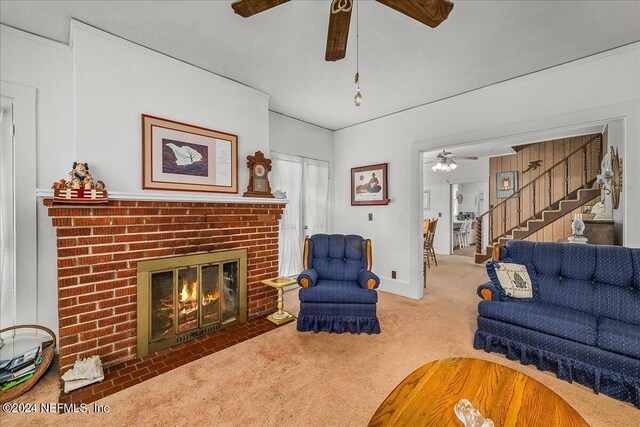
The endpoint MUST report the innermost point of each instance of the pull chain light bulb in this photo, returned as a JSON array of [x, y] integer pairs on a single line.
[[357, 99]]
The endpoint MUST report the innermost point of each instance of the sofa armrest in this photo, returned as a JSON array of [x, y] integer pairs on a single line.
[[488, 292], [308, 278], [368, 280]]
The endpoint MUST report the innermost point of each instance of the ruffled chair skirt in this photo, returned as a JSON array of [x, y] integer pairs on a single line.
[[338, 318]]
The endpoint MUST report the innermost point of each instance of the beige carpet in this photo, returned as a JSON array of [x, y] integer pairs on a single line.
[[284, 378]]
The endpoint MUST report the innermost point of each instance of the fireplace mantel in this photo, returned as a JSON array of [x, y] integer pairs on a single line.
[[99, 247], [47, 193]]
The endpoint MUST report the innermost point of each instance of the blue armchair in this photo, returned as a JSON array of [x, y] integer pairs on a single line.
[[338, 288]]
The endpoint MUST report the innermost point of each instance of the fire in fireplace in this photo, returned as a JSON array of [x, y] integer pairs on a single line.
[[181, 298]]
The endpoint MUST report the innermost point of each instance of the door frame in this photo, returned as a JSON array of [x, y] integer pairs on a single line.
[[25, 201]]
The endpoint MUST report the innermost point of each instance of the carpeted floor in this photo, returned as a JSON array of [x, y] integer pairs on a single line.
[[286, 378]]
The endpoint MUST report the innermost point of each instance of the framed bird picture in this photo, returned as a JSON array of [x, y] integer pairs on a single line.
[[182, 157]]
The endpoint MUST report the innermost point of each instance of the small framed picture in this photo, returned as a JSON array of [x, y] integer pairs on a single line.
[[506, 184], [369, 185], [181, 157]]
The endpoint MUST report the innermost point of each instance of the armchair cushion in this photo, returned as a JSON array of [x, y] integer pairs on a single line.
[[339, 292], [368, 280], [308, 278]]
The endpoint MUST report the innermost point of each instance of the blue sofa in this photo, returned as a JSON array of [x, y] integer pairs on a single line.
[[583, 322], [338, 288]]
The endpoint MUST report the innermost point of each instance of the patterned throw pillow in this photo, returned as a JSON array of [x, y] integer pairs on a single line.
[[514, 280]]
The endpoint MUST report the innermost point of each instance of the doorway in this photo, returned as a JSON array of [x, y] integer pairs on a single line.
[[468, 200], [306, 182]]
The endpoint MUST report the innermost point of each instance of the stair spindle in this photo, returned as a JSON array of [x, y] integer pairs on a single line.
[[600, 147], [533, 200], [549, 188], [479, 235], [585, 167], [566, 177], [491, 225], [504, 219]]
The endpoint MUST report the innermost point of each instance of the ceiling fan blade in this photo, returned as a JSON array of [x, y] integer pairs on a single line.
[[465, 157], [247, 8], [339, 19], [430, 12]]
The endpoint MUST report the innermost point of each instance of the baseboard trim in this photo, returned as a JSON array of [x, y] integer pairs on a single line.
[[398, 287]]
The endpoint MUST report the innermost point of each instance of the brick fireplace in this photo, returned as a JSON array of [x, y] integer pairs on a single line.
[[99, 248]]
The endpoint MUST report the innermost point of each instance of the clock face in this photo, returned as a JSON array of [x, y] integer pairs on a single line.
[[260, 170]]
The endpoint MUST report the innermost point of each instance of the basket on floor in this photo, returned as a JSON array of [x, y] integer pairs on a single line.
[[47, 357]]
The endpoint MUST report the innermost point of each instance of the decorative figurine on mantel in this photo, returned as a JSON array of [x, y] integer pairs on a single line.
[[80, 187], [259, 167]]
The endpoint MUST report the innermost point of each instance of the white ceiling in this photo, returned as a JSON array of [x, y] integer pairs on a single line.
[[402, 62]]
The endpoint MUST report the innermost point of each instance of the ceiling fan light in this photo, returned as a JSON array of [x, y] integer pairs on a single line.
[[435, 167], [453, 165]]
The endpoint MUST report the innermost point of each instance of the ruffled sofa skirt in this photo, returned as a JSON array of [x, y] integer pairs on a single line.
[[604, 372]]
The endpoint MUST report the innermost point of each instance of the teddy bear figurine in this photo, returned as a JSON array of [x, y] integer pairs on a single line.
[[80, 171]]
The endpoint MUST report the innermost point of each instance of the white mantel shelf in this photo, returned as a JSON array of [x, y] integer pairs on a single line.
[[178, 197]]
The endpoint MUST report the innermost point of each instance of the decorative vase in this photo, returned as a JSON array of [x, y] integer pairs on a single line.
[[577, 228]]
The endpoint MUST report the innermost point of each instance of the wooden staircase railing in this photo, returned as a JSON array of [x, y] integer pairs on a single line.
[[539, 202]]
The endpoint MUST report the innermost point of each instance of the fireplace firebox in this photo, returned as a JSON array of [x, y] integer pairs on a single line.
[[181, 298]]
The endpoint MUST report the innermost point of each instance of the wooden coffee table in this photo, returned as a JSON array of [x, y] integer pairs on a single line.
[[506, 396]]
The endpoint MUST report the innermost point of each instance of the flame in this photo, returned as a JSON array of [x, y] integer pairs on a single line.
[[189, 297], [209, 298]]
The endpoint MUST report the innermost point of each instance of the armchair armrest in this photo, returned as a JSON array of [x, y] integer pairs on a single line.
[[308, 278], [488, 292], [368, 280]]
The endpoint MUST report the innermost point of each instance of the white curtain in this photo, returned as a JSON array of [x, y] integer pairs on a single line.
[[287, 176], [316, 196]]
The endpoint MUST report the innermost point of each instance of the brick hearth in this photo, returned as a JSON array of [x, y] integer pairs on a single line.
[[99, 247]]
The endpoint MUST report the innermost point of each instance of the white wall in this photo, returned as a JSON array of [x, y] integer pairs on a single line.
[[116, 81], [90, 96], [46, 66], [297, 138], [468, 171], [594, 89]]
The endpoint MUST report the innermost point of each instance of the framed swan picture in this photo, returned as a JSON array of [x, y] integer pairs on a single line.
[[369, 185], [182, 157]]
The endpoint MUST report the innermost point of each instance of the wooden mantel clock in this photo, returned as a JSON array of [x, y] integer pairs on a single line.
[[259, 167]]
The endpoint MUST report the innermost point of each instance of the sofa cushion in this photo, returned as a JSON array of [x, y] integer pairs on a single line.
[[635, 255], [548, 318], [568, 293], [614, 302], [614, 266], [619, 337], [338, 291], [578, 262]]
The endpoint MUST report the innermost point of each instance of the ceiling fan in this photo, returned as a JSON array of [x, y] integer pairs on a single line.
[[430, 12], [446, 161]]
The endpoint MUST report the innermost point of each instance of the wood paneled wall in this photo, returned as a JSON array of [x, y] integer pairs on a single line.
[[550, 152]]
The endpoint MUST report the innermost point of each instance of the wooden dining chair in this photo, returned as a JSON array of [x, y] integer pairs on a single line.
[[428, 251]]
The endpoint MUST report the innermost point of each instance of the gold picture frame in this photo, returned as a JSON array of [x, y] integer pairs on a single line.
[[181, 157]]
